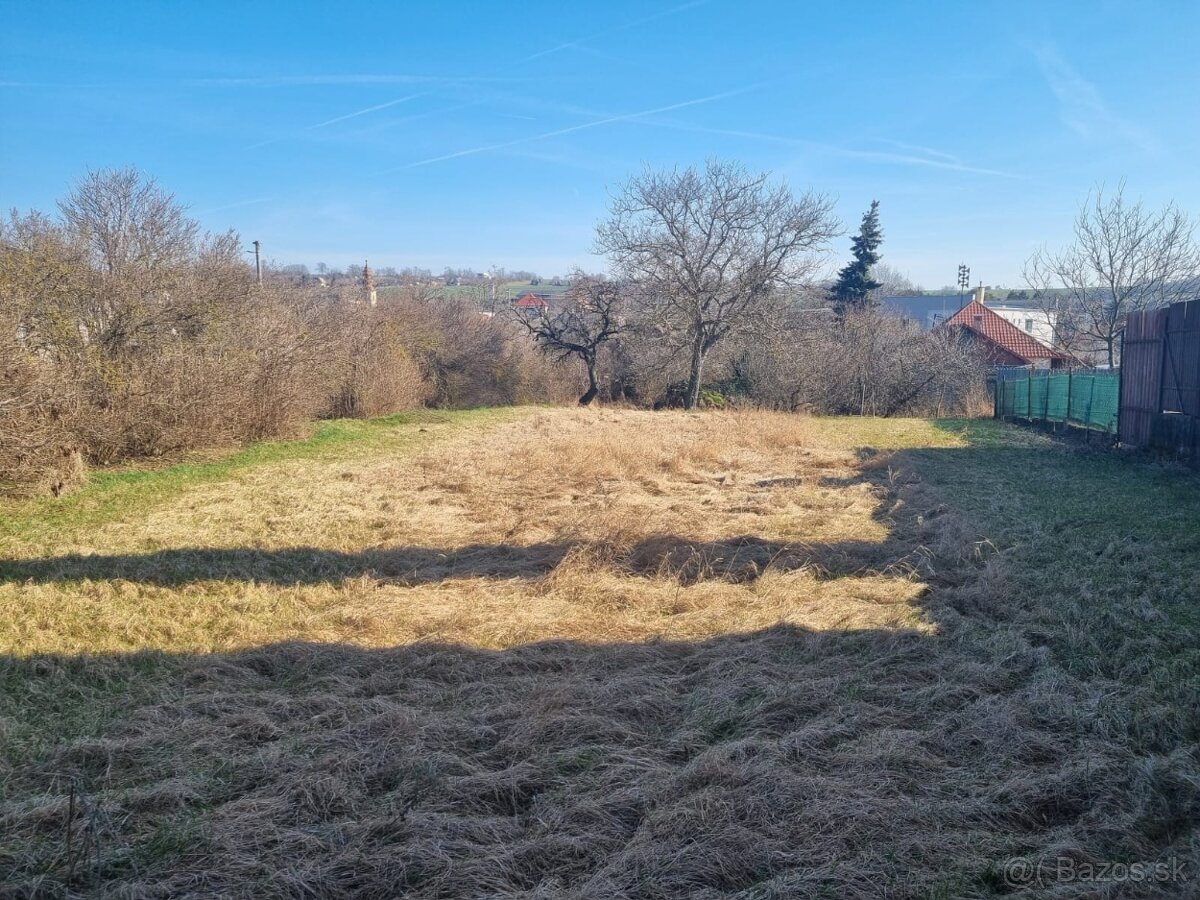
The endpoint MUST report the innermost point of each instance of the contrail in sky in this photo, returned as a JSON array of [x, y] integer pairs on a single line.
[[675, 10], [369, 109], [270, 81], [343, 118], [937, 159], [625, 117]]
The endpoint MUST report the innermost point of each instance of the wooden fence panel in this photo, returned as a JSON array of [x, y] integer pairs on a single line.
[[1142, 376], [1181, 360]]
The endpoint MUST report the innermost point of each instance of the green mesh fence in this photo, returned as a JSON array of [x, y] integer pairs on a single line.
[[1085, 400]]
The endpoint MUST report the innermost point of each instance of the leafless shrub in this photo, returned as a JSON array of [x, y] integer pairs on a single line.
[[866, 363], [380, 373], [474, 358], [126, 333], [885, 366], [37, 451]]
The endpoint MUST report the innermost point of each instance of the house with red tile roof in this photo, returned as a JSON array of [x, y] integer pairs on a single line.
[[530, 304], [1001, 342]]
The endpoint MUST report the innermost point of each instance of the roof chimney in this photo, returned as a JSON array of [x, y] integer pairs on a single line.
[[980, 294]]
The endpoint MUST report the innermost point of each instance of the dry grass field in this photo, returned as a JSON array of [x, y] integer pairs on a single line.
[[604, 653]]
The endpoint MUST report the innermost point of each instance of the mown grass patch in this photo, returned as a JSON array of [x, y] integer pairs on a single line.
[[611, 653], [842, 432], [1115, 534]]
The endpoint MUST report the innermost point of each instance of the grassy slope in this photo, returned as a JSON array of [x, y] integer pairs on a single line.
[[110, 495], [1070, 615], [80, 697], [1118, 535]]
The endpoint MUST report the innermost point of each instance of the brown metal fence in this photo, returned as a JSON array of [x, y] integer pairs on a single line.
[[1141, 376], [1160, 379]]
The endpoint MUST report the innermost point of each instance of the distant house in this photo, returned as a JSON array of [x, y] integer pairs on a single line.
[[1000, 341], [1030, 319], [530, 304], [927, 310]]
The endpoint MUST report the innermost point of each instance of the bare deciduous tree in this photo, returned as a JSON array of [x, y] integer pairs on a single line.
[[708, 248], [140, 246], [590, 315], [1125, 258], [128, 221], [892, 282]]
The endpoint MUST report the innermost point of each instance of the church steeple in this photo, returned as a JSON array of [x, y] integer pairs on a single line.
[[368, 282]]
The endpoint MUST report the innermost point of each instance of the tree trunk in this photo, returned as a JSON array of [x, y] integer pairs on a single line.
[[593, 386], [693, 388]]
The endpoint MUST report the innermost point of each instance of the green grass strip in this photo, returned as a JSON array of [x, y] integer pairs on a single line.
[[111, 494]]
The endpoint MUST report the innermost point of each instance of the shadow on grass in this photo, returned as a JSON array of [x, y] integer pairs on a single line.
[[780, 762], [669, 769], [739, 559]]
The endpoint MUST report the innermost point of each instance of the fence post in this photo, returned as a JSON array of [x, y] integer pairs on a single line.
[[1162, 368], [1091, 403], [1029, 394], [1121, 385], [1069, 373], [1162, 364]]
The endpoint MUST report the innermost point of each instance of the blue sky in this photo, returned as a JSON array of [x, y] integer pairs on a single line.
[[480, 134]]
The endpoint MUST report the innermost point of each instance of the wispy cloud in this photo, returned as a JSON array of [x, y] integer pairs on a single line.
[[576, 44], [52, 85], [558, 132], [427, 114], [1082, 107], [510, 104], [342, 118], [581, 162]]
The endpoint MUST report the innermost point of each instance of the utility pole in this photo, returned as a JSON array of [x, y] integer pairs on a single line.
[[964, 282], [258, 261]]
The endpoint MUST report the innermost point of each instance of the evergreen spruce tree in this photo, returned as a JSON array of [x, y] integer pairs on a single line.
[[854, 284]]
